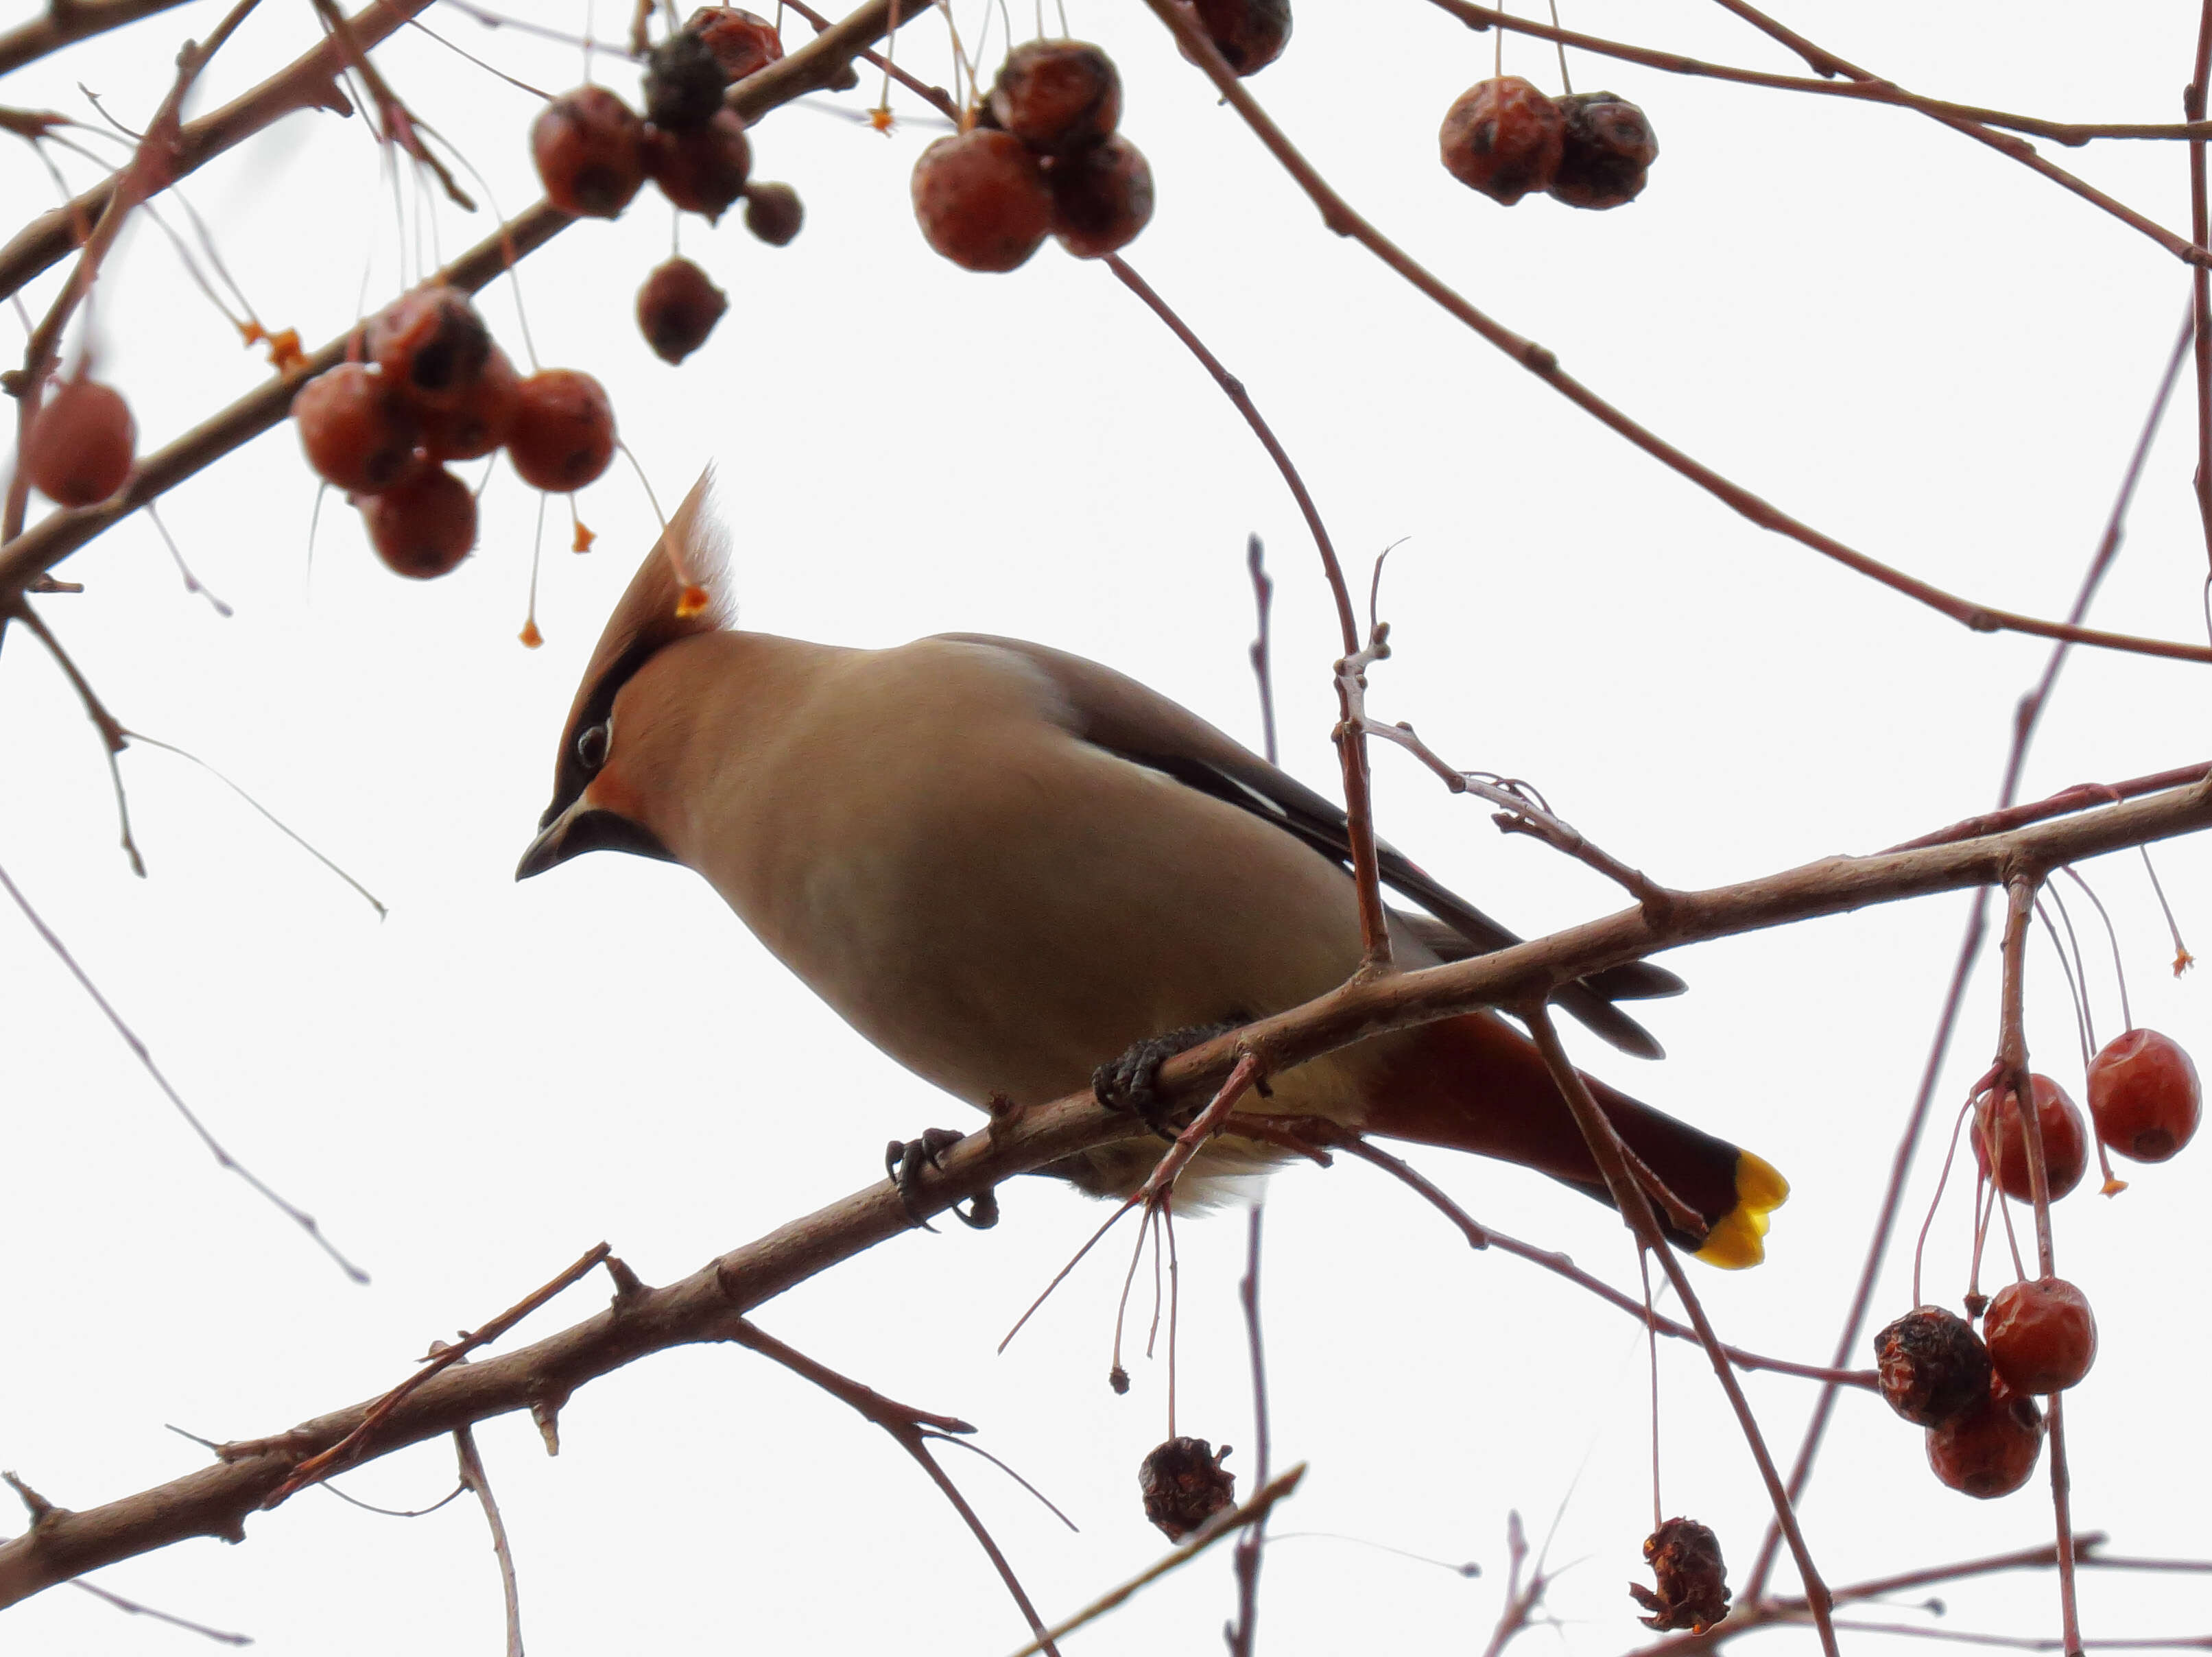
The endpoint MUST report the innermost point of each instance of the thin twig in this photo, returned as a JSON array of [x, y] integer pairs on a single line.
[[1827, 62], [300, 1217], [65, 24], [1351, 740], [1607, 1150], [1227, 1525], [1250, 1546], [321, 1466], [1340, 217], [906, 1426], [132, 1608], [474, 1478]]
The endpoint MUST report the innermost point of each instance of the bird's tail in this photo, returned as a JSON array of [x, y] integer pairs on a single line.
[[1475, 1083]]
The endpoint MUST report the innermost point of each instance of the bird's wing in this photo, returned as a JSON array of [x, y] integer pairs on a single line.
[[1115, 713]]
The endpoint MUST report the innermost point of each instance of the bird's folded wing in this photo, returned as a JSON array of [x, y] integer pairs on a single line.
[[1117, 714]]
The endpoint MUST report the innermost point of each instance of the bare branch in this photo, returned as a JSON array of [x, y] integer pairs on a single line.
[[1338, 216], [214, 1500]]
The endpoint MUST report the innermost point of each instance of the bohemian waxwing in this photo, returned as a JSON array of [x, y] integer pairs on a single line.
[[1006, 866]]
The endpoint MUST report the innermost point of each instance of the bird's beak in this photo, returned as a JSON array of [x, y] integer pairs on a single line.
[[585, 826]]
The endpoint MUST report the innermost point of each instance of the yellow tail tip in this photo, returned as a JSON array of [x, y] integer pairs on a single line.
[[1737, 1239]]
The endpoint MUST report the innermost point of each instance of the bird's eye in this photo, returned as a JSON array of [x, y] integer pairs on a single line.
[[592, 747]]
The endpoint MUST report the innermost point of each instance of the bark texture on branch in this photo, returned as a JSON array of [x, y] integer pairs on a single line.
[[706, 1305]]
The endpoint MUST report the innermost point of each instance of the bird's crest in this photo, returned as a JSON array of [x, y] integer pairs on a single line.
[[682, 588]]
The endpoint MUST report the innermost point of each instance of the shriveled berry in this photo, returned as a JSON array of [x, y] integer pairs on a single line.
[[980, 200], [563, 433], [701, 169], [2065, 1141], [774, 213], [683, 81], [431, 346], [1101, 198], [1184, 1485], [1692, 1592], [2143, 1095], [1931, 1365], [1503, 137], [357, 431], [1057, 96], [590, 150], [479, 420], [1250, 33], [2042, 1335], [1991, 1449], [677, 308], [742, 43], [79, 448], [1606, 149], [424, 525]]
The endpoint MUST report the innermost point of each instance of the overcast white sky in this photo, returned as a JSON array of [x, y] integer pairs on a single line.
[[1879, 325]]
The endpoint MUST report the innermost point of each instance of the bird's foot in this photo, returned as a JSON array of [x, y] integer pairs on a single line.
[[1130, 1082], [903, 1161]]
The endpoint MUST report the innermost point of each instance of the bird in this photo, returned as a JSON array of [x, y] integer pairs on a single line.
[[1018, 872]]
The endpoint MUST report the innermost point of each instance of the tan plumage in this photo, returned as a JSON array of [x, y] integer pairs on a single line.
[[1004, 865]]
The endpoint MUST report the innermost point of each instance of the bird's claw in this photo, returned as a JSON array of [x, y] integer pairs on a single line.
[[1130, 1081], [903, 1161]]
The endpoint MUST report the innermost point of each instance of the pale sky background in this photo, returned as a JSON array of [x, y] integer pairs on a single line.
[[1879, 325]]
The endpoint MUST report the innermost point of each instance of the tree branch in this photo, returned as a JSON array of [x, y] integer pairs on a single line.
[[214, 1500], [1339, 216]]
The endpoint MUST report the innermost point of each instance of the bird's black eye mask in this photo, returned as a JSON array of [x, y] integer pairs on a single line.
[[581, 755]]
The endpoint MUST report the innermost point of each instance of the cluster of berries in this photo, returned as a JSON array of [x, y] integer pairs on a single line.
[[79, 448], [1505, 138], [1975, 1393], [594, 153], [1043, 159], [426, 385]]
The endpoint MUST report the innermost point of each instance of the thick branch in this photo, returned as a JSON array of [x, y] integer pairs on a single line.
[[67, 21], [214, 1500]]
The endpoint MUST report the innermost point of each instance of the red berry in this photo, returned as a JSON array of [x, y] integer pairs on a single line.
[[563, 433], [774, 213], [1101, 198], [431, 346], [1991, 1449], [357, 431], [1606, 149], [590, 150], [1250, 34], [2042, 1335], [80, 447], [701, 169], [683, 81], [741, 42], [677, 308], [1503, 137], [424, 525], [1931, 1366], [1057, 96], [2143, 1095], [2065, 1141], [982, 200], [479, 420]]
